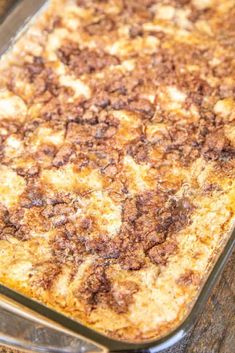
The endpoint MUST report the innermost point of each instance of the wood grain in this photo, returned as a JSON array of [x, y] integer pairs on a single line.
[[5, 5]]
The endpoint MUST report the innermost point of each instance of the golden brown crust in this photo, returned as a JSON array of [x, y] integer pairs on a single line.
[[117, 159]]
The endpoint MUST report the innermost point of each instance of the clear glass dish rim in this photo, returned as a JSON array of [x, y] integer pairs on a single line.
[[114, 345]]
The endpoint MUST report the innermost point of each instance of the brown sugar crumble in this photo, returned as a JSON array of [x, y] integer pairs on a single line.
[[117, 149]]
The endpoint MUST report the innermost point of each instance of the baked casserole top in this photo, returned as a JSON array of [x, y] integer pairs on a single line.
[[117, 146]]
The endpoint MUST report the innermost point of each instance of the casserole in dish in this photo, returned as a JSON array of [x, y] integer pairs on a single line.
[[117, 161]]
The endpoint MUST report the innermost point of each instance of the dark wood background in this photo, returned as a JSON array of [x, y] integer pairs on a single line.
[[5, 6], [214, 332]]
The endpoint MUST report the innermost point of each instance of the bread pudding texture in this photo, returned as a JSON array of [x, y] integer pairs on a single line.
[[117, 173]]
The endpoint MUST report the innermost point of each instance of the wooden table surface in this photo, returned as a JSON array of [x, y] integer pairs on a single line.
[[214, 331], [5, 5]]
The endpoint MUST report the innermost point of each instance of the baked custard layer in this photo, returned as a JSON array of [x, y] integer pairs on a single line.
[[117, 155]]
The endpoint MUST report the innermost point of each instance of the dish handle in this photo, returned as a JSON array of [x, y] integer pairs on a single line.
[[22, 331]]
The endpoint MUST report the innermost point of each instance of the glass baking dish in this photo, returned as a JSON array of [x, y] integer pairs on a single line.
[[30, 326]]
